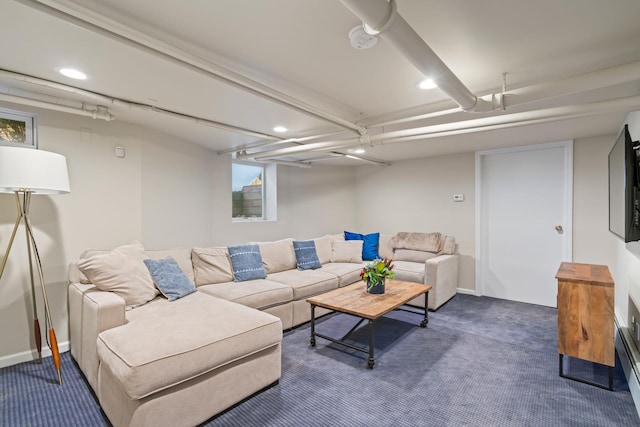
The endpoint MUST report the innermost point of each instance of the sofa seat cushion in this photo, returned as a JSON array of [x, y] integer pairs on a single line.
[[409, 271], [166, 343], [346, 272], [306, 283], [259, 294]]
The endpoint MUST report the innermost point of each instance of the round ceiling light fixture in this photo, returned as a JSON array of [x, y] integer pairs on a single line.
[[359, 151], [280, 129], [360, 39], [427, 84], [72, 73]]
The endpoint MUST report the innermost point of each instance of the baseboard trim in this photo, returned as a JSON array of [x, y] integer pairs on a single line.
[[27, 356], [630, 360], [466, 291]]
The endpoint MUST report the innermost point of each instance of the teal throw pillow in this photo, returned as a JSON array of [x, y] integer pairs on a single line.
[[169, 278], [246, 262], [306, 255], [370, 244]]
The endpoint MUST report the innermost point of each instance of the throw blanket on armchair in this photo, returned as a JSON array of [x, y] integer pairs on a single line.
[[430, 242]]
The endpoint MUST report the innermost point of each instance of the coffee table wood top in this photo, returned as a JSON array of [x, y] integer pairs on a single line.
[[354, 299]]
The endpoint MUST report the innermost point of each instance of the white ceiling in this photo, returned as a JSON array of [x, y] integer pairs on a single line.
[[300, 49]]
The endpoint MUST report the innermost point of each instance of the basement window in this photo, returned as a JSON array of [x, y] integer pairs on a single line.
[[17, 128], [253, 191]]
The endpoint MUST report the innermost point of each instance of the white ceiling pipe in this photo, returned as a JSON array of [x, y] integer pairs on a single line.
[[537, 92], [549, 114], [314, 146], [143, 42], [399, 34], [104, 99], [263, 144], [53, 85], [575, 84], [619, 104], [300, 164], [99, 113]]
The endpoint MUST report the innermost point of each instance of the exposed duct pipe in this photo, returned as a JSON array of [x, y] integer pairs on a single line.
[[104, 99], [607, 77], [130, 37], [381, 15], [100, 112], [482, 124], [304, 165]]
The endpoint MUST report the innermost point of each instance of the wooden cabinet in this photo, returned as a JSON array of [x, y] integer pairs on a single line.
[[585, 314]]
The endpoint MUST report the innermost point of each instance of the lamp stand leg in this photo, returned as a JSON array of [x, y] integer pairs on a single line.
[[36, 323], [31, 243], [23, 212]]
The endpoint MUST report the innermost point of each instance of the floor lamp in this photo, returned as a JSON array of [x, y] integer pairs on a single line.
[[25, 172]]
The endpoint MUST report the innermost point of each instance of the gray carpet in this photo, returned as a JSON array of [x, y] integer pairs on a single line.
[[480, 362]]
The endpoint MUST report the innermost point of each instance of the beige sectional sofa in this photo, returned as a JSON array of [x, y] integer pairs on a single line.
[[182, 362]]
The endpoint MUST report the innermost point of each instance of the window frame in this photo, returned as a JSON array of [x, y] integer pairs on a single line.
[[31, 127], [264, 216]]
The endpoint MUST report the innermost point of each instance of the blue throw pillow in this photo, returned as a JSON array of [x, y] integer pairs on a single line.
[[306, 255], [246, 262], [370, 244], [169, 278]]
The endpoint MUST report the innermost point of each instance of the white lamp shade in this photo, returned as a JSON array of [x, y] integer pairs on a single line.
[[28, 169]]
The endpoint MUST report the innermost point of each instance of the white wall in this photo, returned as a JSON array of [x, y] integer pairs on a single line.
[[164, 193], [416, 195]]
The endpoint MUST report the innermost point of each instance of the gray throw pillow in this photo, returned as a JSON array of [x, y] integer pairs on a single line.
[[306, 255], [246, 262], [169, 278]]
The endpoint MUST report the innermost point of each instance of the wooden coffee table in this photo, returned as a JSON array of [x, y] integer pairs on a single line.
[[354, 300]]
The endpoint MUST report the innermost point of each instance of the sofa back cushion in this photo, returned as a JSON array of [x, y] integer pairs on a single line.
[[449, 246], [211, 265], [385, 249], [278, 256], [323, 249], [413, 256], [347, 251]]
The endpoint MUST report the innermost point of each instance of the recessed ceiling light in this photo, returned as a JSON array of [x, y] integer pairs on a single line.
[[73, 73], [359, 151], [280, 129], [427, 84]]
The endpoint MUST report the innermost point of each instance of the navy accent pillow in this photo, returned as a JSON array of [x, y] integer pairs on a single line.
[[169, 278], [246, 262], [370, 245], [306, 255]]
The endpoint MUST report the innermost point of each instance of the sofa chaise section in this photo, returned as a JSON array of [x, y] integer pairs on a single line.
[[168, 347]]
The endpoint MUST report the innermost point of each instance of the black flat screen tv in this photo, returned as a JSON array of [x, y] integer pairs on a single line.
[[624, 188]]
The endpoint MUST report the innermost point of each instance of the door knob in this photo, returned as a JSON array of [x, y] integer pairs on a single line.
[[559, 228]]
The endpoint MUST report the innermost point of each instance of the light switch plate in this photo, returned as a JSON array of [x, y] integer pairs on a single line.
[[458, 197]]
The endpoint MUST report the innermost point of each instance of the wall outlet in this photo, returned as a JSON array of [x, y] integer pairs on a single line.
[[458, 197]]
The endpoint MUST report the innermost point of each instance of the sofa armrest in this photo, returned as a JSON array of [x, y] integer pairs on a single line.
[[91, 311], [441, 272]]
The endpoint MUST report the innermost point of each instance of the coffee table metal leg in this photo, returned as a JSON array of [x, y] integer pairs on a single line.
[[312, 341], [371, 361], [425, 321]]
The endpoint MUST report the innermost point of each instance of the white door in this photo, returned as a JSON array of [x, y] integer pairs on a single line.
[[524, 221]]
